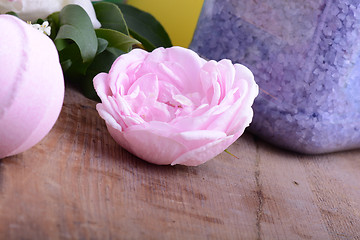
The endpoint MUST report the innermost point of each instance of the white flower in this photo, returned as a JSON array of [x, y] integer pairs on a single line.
[[44, 28], [31, 10]]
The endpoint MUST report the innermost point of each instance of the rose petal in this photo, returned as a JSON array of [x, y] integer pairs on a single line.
[[209, 77], [226, 76], [177, 65], [128, 63], [204, 153], [102, 86], [152, 147], [109, 119], [148, 84], [196, 139]]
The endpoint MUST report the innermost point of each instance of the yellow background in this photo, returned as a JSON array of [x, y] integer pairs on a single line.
[[179, 17]]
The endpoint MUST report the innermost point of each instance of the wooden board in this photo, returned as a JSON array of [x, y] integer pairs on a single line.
[[77, 183]]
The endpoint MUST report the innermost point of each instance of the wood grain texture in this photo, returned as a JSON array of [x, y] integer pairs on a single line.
[[77, 183]]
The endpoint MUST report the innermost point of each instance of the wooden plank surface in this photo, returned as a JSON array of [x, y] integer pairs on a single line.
[[77, 183]]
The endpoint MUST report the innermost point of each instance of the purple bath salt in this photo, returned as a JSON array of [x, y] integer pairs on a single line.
[[305, 56]]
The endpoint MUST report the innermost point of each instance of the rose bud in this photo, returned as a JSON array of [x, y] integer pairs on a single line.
[[172, 107], [32, 85]]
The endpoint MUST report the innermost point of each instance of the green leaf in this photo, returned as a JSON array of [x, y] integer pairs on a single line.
[[110, 17], [40, 21], [71, 60], [116, 39], [102, 45], [12, 13], [115, 51], [61, 44], [145, 28], [65, 65], [76, 25], [102, 63]]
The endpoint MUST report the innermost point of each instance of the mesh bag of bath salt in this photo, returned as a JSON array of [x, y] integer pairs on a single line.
[[305, 56]]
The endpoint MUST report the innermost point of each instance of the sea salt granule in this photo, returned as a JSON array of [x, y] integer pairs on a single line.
[[305, 56]]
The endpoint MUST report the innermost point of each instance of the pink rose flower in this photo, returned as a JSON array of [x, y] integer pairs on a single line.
[[172, 107], [31, 85]]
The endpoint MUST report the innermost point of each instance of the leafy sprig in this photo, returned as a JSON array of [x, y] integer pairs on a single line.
[[85, 51]]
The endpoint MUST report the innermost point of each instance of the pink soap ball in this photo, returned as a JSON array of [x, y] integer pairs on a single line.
[[31, 86]]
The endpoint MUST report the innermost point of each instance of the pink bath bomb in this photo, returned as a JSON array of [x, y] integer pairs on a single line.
[[31, 86]]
